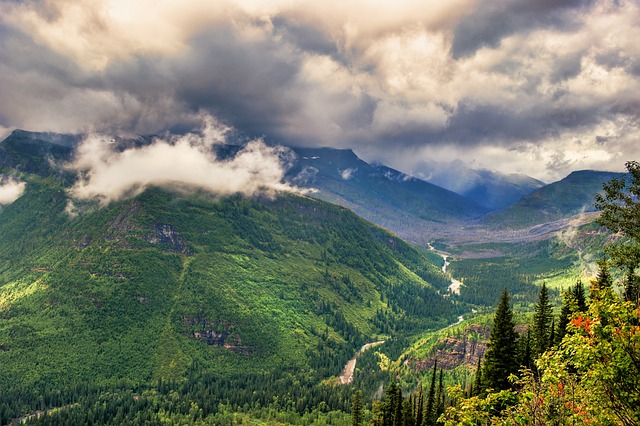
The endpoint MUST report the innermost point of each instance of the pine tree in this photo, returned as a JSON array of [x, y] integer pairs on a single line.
[[389, 406], [429, 409], [501, 359], [356, 408], [579, 297], [397, 416], [407, 414], [631, 286], [565, 315], [440, 398], [603, 278], [542, 318], [525, 351], [476, 387], [419, 407]]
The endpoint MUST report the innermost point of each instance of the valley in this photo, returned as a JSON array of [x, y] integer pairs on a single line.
[[263, 303]]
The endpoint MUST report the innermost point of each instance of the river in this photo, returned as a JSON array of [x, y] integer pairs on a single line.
[[350, 367], [454, 287]]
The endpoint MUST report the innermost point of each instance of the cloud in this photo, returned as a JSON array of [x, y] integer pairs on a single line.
[[10, 190], [348, 173], [389, 79], [177, 161]]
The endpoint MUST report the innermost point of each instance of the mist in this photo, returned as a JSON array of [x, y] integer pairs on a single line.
[[109, 174], [10, 190]]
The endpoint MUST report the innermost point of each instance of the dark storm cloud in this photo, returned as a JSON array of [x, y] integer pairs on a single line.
[[492, 20], [401, 80], [306, 38], [245, 84]]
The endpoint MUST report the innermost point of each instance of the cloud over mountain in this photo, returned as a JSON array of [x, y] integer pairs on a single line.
[[109, 174], [10, 190]]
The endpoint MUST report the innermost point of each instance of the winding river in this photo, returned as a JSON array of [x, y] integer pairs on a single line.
[[454, 287], [350, 367]]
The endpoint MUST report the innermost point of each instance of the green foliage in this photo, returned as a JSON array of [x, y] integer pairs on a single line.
[[542, 323], [144, 289], [356, 408], [593, 375], [501, 358]]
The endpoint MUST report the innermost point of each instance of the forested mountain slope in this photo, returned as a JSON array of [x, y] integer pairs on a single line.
[[168, 285]]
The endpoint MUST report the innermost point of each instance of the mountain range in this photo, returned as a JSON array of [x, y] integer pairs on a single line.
[[239, 299], [152, 287]]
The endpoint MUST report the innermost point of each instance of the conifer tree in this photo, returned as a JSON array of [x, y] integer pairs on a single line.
[[579, 297], [501, 359], [407, 414], [356, 408], [389, 406], [398, 414], [631, 286], [440, 398], [565, 315], [419, 407], [542, 318], [476, 387], [429, 409], [525, 351], [603, 278]]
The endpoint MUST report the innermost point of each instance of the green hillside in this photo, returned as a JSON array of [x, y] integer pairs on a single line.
[[154, 287], [559, 200]]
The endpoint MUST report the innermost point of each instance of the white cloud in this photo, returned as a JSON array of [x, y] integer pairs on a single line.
[[10, 190], [182, 160], [348, 173]]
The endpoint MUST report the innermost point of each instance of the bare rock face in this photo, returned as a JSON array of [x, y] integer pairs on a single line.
[[214, 333], [168, 237], [454, 351]]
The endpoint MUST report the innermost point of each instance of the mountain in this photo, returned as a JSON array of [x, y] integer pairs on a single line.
[[559, 200], [492, 190], [408, 206], [249, 297], [31, 152]]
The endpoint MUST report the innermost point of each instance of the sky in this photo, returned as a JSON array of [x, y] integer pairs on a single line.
[[540, 87]]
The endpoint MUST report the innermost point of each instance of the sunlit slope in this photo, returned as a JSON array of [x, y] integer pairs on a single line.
[[143, 288]]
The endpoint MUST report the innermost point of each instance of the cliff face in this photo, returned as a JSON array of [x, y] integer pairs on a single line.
[[454, 351]]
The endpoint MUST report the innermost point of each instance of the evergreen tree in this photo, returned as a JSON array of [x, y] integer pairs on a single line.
[[389, 406], [440, 398], [603, 278], [565, 315], [579, 297], [407, 414], [631, 286], [476, 387], [542, 318], [525, 351], [429, 409], [357, 416], [398, 413], [552, 333], [501, 359], [419, 404]]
